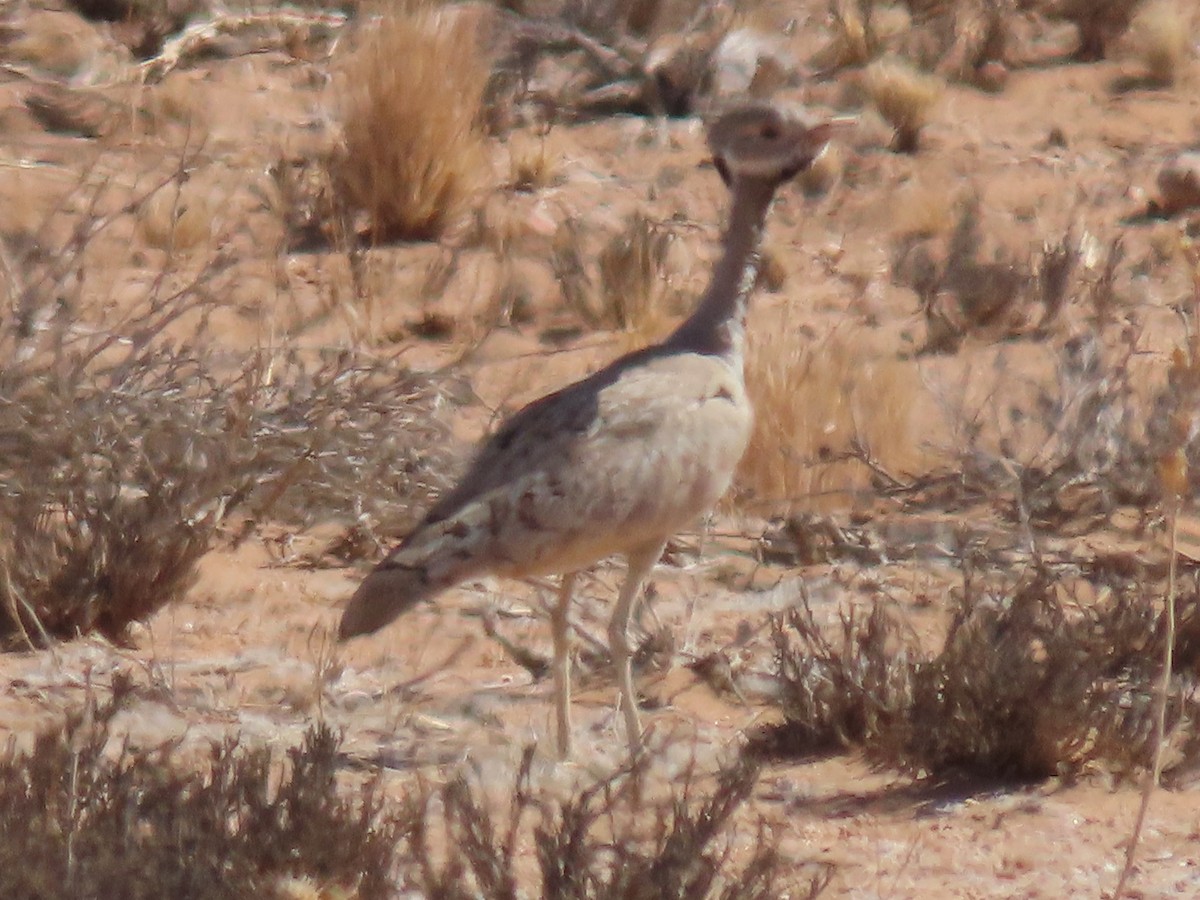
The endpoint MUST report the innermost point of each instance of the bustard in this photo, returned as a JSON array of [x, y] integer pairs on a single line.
[[620, 461]]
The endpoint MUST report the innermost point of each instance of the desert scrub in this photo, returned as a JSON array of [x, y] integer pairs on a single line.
[[82, 819], [1027, 683], [123, 453], [115, 482], [410, 100], [605, 840], [83, 814]]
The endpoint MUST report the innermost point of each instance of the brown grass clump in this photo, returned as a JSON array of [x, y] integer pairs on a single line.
[[411, 96], [964, 40], [177, 220], [819, 408], [78, 820], [904, 97], [634, 289], [637, 290], [1162, 42], [853, 38], [922, 210]]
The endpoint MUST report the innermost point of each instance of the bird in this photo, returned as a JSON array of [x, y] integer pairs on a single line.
[[618, 462]]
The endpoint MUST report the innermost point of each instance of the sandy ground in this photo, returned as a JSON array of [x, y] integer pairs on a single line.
[[249, 651]]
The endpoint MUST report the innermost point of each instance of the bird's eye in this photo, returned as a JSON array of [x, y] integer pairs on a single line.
[[769, 131]]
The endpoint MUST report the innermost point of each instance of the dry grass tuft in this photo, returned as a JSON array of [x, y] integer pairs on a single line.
[[1162, 42], [634, 289], [411, 95], [637, 291], [820, 407], [922, 210], [853, 40], [904, 97], [79, 821]]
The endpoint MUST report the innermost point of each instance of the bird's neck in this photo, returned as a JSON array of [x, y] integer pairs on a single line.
[[718, 325]]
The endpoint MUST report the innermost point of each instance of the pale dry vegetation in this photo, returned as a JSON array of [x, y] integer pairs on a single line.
[[410, 98], [130, 451], [250, 821], [607, 840], [246, 822], [119, 476], [904, 97], [967, 287], [1086, 635], [126, 451], [824, 408], [966, 709], [632, 287]]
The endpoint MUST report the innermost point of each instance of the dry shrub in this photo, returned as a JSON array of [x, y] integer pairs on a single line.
[[920, 210], [904, 97], [1087, 442], [609, 840], [123, 452], [1162, 41], [841, 692], [1027, 684], [961, 40], [347, 439], [819, 407], [80, 820], [115, 482], [410, 104], [111, 493]]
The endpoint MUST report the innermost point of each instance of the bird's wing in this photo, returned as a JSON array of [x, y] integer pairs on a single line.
[[546, 435]]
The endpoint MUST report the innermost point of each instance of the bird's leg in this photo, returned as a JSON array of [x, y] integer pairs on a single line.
[[562, 663], [639, 562]]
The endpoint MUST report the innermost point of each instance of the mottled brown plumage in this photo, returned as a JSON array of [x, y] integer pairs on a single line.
[[620, 461]]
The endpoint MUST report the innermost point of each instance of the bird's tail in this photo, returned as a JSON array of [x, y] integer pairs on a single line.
[[391, 590], [435, 557]]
